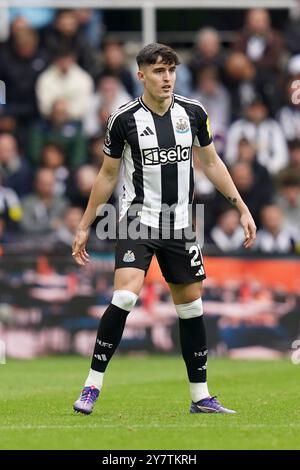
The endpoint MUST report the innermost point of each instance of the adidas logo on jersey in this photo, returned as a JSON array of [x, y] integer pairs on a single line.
[[147, 131], [129, 257], [157, 156]]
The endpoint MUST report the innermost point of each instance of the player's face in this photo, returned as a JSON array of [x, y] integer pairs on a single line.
[[158, 79]]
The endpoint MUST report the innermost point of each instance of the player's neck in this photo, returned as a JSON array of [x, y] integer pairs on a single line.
[[159, 107]]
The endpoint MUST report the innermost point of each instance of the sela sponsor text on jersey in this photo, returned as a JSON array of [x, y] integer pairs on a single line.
[[157, 156]]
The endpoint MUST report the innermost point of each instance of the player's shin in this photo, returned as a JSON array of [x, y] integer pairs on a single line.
[[109, 334], [194, 346]]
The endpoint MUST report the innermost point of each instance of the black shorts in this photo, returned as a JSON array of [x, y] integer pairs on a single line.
[[179, 258]]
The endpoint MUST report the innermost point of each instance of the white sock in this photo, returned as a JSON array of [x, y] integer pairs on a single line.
[[94, 378], [199, 391]]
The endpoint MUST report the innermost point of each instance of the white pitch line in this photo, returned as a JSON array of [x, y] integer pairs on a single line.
[[147, 426]]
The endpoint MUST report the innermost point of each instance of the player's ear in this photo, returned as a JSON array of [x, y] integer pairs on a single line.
[[141, 75]]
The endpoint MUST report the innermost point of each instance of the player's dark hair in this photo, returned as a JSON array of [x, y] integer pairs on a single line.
[[150, 53]]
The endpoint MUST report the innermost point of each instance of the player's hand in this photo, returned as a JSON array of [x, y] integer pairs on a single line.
[[249, 228], [78, 248]]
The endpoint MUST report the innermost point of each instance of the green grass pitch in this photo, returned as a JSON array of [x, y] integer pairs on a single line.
[[144, 404]]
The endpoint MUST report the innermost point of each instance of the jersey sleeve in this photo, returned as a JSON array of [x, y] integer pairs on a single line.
[[114, 140], [203, 133]]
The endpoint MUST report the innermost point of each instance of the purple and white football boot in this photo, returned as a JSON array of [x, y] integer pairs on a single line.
[[209, 405], [86, 401]]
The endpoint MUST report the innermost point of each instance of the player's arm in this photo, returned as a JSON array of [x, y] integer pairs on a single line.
[[215, 170], [103, 188]]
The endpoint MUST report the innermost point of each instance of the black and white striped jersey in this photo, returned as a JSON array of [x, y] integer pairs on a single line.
[[157, 156]]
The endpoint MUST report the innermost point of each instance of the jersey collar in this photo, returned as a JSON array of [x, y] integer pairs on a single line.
[[150, 110]]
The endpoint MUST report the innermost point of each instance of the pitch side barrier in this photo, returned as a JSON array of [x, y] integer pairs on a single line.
[[251, 304]]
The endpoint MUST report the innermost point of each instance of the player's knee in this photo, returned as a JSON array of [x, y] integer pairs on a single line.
[[190, 310], [124, 299]]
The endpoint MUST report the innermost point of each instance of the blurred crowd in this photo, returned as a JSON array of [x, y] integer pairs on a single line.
[[48, 306], [64, 77]]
